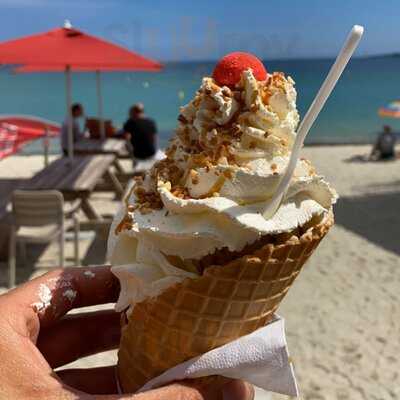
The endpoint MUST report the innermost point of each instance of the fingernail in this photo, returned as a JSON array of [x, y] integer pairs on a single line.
[[238, 390]]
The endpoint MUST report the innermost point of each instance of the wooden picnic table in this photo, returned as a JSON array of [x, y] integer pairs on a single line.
[[77, 179], [97, 146], [107, 146]]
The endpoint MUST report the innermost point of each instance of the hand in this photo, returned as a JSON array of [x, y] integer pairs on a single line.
[[36, 336]]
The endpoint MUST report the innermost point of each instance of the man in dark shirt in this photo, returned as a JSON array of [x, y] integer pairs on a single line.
[[142, 132]]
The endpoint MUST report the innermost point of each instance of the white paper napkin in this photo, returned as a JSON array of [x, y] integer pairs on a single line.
[[260, 358]]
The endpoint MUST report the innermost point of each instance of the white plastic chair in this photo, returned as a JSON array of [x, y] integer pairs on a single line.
[[41, 217]]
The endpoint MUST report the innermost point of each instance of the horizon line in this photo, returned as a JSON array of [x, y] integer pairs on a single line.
[[300, 58], [275, 59]]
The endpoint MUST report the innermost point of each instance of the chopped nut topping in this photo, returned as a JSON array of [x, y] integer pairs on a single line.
[[236, 130], [196, 101], [208, 134], [214, 141], [194, 176], [181, 193], [312, 171], [278, 81], [228, 174], [125, 224], [147, 201], [265, 95], [182, 119], [254, 107], [308, 162], [252, 145], [226, 92], [231, 159]]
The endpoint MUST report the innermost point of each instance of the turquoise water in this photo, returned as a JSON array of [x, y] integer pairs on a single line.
[[350, 115]]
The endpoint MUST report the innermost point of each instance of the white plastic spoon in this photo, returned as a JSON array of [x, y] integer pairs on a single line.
[[330, 81]]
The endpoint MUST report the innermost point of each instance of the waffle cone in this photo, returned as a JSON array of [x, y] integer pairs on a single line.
[[197, 315]]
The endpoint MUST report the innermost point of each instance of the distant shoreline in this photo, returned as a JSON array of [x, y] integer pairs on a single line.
[[312, 144], [284, 59], [36, 147], [322, 144]]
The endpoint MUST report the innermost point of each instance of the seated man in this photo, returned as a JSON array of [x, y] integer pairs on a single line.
[[384, 146], [141, 131], [77, 113]]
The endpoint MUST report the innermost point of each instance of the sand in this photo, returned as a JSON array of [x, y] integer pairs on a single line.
[[342, 315]]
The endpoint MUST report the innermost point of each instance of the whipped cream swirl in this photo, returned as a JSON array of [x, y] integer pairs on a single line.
[[230, 151]]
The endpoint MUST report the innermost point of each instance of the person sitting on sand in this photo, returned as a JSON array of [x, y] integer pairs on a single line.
[[384, 146], [142, 133], [77, 113]]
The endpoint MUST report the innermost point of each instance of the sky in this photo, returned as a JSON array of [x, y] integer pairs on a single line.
[[173, 30]]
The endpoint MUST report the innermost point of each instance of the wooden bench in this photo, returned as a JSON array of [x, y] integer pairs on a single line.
[[77, 179], [117, 147]]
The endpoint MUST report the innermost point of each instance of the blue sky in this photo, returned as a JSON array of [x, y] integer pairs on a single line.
[[207, 29]]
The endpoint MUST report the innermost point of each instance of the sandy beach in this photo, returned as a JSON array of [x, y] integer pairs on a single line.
[[342, 314]]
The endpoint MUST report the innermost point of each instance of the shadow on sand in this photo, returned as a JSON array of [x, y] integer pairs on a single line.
[[376, 217], [96, 253], [93, 254], [365, 158]]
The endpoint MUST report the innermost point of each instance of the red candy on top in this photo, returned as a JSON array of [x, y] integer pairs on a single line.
[[229, 69]]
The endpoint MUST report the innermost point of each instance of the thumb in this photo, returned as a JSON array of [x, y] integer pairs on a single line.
[[208, 388], [216, 388]]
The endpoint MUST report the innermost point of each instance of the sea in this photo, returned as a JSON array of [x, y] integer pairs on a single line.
[[349, 116]]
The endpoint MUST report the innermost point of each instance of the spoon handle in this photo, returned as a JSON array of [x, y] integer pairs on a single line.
[[316, 106]]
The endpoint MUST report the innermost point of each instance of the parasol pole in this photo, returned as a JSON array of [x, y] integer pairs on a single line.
[[100, 105], [46, 146], [69, 112]]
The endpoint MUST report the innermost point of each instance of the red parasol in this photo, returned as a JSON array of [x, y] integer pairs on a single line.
[[67, 46], [68, 49]]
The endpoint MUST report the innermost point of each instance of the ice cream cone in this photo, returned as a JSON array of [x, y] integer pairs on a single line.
[[228, 301]]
